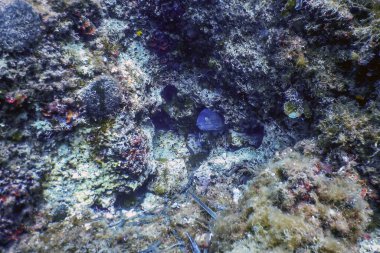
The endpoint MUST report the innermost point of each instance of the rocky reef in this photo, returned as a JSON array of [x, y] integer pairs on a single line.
[[206, 125]]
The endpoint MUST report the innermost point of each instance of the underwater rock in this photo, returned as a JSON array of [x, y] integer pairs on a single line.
[[351, 128], [236, 139], [96, 167], [161, 120], [292, 110], [19, 25], [293, 194], [294, 106], [253, 136], [222, 170], [299, 4], [371, 242], [172, 59], [102, 98], [197, 143], [18, 190], [171, 155], [209, 120]]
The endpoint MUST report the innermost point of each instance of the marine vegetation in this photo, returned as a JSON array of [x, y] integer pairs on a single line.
[[297, 202], [209, 120], [351, 128]]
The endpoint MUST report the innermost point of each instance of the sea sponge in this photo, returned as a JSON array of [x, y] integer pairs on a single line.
[[19, 25], [102, 98]]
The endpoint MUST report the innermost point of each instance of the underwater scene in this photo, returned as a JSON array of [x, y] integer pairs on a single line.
[[189, 126]]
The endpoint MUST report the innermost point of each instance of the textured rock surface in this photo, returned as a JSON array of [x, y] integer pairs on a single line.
[[19, 189], [295, 194], [172, 157], [19, 25]]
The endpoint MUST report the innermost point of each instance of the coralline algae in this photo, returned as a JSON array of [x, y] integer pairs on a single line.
[[209, 120], [102, 98]]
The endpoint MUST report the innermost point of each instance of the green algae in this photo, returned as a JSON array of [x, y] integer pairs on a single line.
[[160, 190], [351, 128], [292, 110], [301, 61], [289, 7], [17, 136], [279, 213]]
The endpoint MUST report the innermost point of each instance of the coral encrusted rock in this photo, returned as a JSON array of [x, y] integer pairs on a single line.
[[19, 25]]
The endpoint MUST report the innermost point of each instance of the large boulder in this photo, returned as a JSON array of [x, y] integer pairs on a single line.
[[19, 25]]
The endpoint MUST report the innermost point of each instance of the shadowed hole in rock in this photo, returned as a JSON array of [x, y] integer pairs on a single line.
[[162, 121], [169, 93], [257, 135], [133, 199]]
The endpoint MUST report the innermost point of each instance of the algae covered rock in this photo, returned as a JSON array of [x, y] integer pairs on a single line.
[[294, 66], [171, 155], [353, 129], [102, 98], [296, 203], [18, 192], [99, 164], [19, 25]]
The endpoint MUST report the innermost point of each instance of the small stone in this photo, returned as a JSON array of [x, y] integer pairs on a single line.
[[252, 137], [151, 202], [203, 240], [293, 110]]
